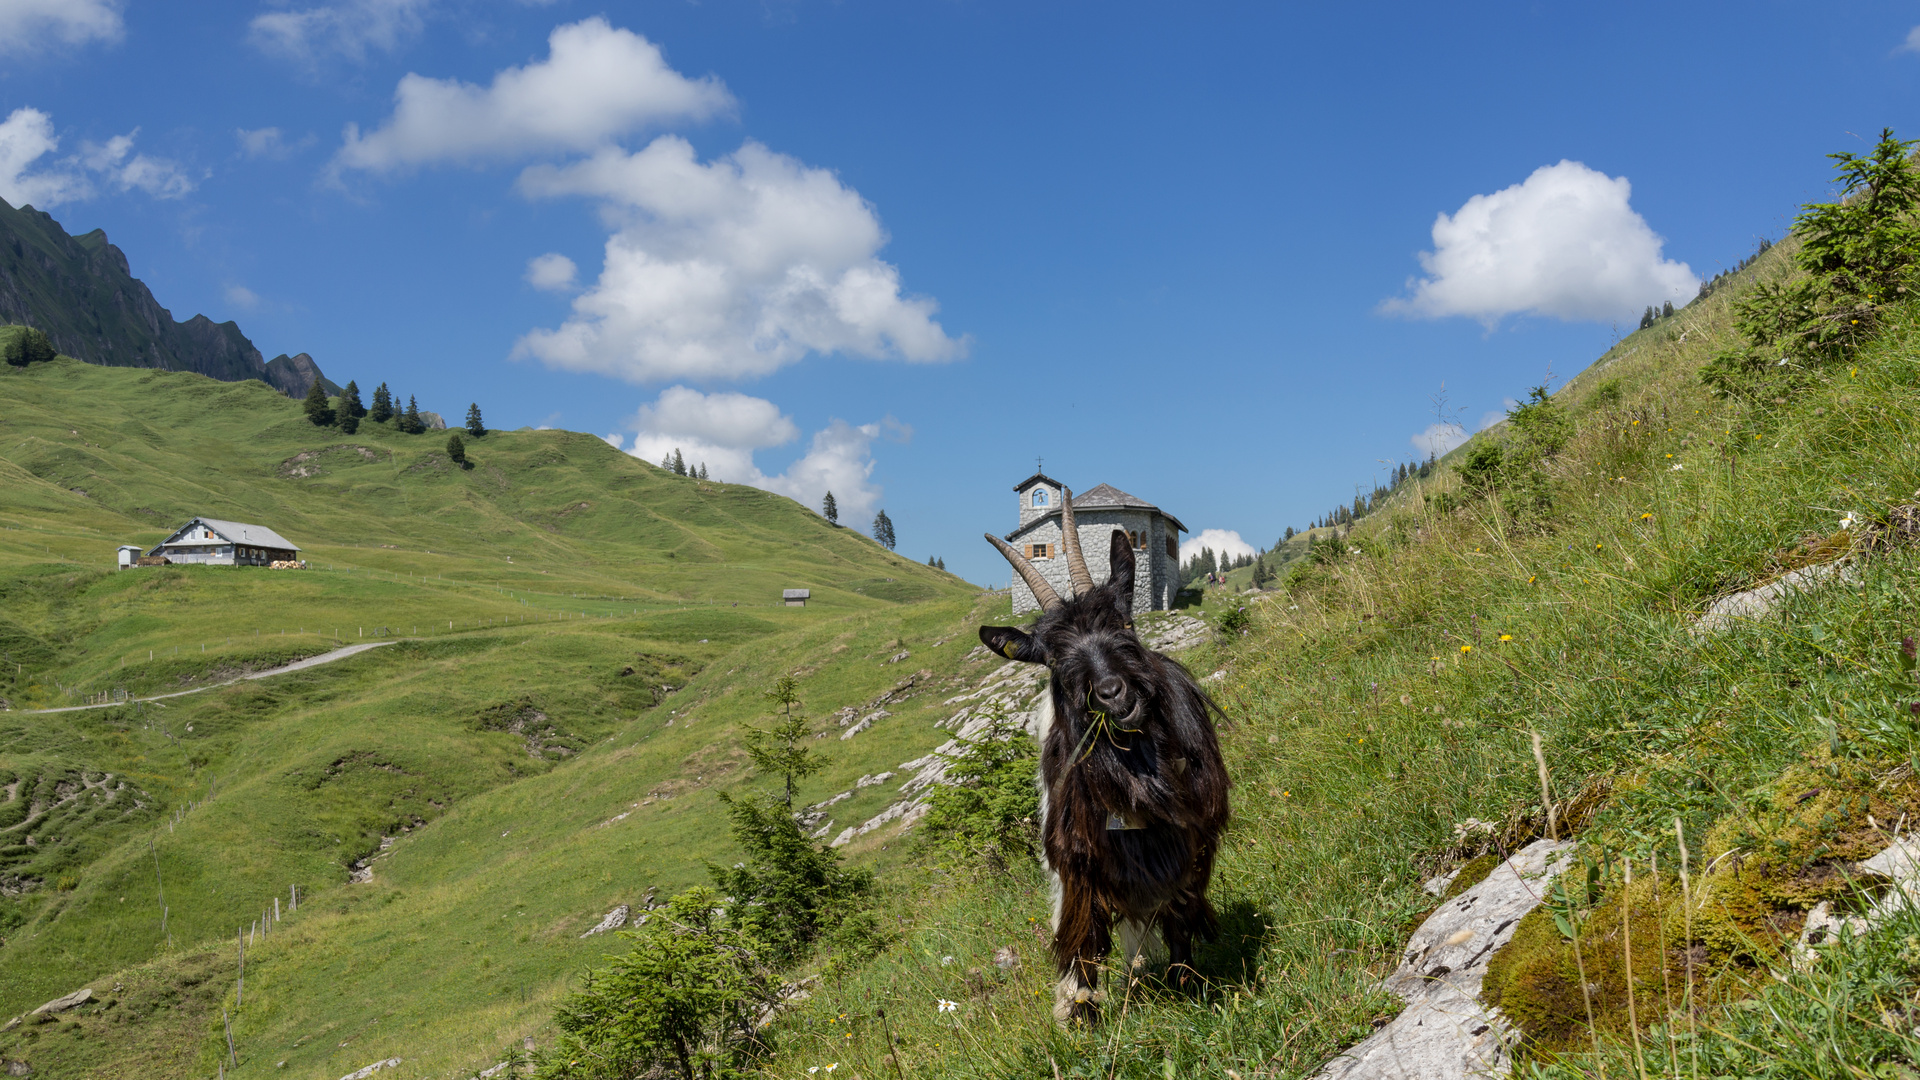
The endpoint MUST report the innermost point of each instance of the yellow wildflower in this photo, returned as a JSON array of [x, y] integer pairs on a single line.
[[1466, 648], [1506, 637]]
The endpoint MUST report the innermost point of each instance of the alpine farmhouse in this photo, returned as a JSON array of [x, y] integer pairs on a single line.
[[212, 542]]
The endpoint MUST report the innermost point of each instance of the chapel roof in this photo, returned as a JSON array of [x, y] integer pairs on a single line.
[[1103, 497], [1034, 479]]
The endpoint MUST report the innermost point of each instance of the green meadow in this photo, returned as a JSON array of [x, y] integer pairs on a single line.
[[576, 639]]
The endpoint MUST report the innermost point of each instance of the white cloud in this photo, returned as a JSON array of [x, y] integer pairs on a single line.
[[614, 439], [27, 25], [270, 143], [349, 30], [25, 137], [1565, 243], [1912, 43], [729, 269], [551, 272], [1222, 541], [116, 161], [598, 82], [723, 430], [1438, 439], [242, 297]]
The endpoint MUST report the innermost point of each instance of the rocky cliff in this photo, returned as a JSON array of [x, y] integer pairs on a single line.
[[82, 293]]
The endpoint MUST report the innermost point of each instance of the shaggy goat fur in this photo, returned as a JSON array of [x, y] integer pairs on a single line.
[[1133, 787]]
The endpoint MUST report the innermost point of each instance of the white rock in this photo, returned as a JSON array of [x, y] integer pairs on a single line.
[[363, 1073], [62, 1004], [1445, 1033], [615, 919], [1758, 603]]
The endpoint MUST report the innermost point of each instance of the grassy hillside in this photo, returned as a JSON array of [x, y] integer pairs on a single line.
[[1384, 704], [546, 523], [583, 636]]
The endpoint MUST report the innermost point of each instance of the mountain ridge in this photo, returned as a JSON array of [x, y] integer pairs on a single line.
[[80, 291]]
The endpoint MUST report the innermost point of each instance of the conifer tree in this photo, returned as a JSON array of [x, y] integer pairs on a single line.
[[382, 410], [883, 530], [679, 463], [1289, 535], [940, 564], [781, 748], [348, 410], [318, 411], [476, 427], [1666, 310], [411, 423], [457, 450], [666, 462], [830, 509], [30, 346], [703, 470]]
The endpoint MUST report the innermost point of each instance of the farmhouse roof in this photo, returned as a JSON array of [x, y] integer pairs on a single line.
[[795, 594], [241, 533], [1103, 497]]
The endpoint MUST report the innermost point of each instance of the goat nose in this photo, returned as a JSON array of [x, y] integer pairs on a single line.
[[1110, 690]]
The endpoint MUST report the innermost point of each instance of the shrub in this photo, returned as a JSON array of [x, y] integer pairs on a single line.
[[792, 893], [29, 346], [991, 810], [682, 1001], [1233, 622]]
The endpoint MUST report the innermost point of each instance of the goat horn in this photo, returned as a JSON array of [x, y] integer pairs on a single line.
[[1070, 537], [1042, 591]]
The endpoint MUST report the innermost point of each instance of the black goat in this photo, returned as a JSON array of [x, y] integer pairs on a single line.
[[1133, 791]]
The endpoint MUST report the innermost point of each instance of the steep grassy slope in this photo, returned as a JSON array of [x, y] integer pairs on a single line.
[[546, 522], [1385, 703], [510, 844], [611, 627]]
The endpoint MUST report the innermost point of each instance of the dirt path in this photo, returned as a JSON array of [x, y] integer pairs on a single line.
[[311, 661]]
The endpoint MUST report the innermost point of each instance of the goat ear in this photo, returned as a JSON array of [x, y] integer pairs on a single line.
[[1013, 644], [1120, 558]]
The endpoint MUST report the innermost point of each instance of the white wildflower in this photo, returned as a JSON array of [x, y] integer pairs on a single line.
[[1676, 467], [947, 1006], [1850, 520]]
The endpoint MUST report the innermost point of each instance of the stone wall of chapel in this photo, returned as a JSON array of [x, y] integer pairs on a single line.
[[1096, 526]]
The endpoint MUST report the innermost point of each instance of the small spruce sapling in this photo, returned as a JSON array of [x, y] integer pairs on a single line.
[[781, 748], [683, 1000], [989, 809]]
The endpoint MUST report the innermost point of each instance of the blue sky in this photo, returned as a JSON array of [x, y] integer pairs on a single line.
[[903, 249]]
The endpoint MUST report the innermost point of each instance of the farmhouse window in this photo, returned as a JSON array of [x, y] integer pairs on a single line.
[[1173, 549], [1039, 551]]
